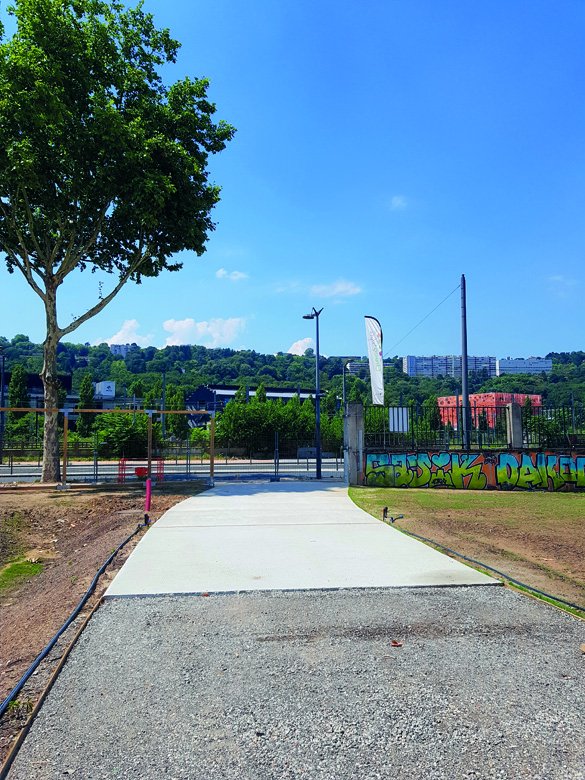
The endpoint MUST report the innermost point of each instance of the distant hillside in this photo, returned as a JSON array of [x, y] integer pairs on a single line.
[[190, 366]]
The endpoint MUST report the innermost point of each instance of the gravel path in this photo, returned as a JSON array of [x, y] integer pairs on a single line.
[[487, 684]]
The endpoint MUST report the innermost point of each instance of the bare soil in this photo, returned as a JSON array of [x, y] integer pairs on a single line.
[[553, 565], [538, 539], [71, 532]]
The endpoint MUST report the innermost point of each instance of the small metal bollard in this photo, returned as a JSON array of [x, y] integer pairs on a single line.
[[387, 518]]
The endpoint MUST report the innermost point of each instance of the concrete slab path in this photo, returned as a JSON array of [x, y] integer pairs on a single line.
[[279, 536]]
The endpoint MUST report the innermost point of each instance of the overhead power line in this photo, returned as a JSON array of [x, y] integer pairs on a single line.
[[421, 321]]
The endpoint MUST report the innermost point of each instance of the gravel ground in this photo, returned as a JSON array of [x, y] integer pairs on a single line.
[[486, 684]]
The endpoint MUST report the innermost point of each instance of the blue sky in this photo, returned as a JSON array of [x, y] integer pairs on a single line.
[[383, 149]]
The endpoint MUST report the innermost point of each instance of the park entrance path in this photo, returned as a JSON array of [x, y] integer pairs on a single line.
[[279, 536]]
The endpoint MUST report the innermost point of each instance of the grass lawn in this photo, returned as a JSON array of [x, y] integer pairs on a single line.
[[538, 538]]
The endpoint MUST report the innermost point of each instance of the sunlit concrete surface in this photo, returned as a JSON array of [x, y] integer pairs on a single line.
[[279, 536]]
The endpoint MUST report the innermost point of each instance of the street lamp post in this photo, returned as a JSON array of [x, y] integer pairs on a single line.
[[345, 365], [314, 315]]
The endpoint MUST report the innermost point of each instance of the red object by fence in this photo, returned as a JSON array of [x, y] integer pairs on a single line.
[[127, 468]]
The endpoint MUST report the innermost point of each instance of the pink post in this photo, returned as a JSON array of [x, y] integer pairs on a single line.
[[148, 495]]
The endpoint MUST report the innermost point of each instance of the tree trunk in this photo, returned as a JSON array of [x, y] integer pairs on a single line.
[[51, 464]]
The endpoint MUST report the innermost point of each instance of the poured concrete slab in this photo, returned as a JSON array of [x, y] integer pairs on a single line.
[[279, 536]]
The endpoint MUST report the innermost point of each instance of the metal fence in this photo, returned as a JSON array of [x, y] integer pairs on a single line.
[[430, 428], [547, 427], [129, 445]]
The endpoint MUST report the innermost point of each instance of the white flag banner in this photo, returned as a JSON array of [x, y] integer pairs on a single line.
[[374, 339]]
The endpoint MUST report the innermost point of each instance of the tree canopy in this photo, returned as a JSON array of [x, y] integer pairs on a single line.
[[102, 165]]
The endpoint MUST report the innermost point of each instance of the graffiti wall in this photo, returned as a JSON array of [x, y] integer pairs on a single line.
[[477, 471]]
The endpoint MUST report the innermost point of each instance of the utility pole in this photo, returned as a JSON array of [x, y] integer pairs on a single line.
[[464, 372]]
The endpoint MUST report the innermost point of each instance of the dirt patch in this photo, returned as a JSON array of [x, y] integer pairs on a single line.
[[71, 533], [538, 539], [538, 559]]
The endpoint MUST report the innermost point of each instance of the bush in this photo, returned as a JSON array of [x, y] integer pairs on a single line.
[[126, 435]]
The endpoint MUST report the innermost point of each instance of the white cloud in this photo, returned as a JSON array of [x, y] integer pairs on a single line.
[[300, 346], [289, 287], [398, 203], [209, 333], [561, 285], [233, 276], [128, 334], [339, 289]]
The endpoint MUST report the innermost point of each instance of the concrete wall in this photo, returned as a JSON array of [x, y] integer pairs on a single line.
[[353, 443], [508, 470]]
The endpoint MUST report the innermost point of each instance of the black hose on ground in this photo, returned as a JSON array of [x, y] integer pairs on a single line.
[[502, 574], [43, 654]]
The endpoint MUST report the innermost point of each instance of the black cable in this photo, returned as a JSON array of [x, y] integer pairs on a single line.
[[43, 654], [491, 568], [421, 321]]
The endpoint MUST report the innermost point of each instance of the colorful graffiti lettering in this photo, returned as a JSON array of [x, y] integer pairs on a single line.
[[476, 471]]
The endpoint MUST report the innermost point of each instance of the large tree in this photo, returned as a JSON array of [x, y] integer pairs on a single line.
[[102, 166]]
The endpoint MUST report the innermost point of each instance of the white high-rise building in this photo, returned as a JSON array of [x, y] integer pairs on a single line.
[[531, 365], [446, 365]]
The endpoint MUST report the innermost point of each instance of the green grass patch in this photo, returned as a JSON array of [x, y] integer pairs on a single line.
[[508, 506], [18, 572], [580, 613], [468, 519]]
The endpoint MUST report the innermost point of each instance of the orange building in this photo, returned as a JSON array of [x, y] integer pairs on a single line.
[[482, 403]]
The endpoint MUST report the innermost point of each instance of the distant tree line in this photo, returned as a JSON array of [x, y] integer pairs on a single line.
[[140, 374]]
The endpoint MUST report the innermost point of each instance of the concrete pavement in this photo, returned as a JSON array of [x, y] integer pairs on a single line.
[[279, 536]]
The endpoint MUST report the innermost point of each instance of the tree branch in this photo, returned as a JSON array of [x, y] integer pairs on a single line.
[[72, 258], [23, 266], [57, 245], [31, 227], [104, 301]]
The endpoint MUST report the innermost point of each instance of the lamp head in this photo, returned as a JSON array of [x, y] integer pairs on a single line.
[[308, 316]]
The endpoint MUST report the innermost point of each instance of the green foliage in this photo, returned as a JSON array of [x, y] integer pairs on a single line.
[[18, 423], [190, 366], [153, 398], [260, 395], [102, 165], [542, 431], [177, 425], [21, 426], [85, 421], [18, 572], [17, 388], [252, 426], [136, 388], [432, 413], [126, 435], [199, 437]]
